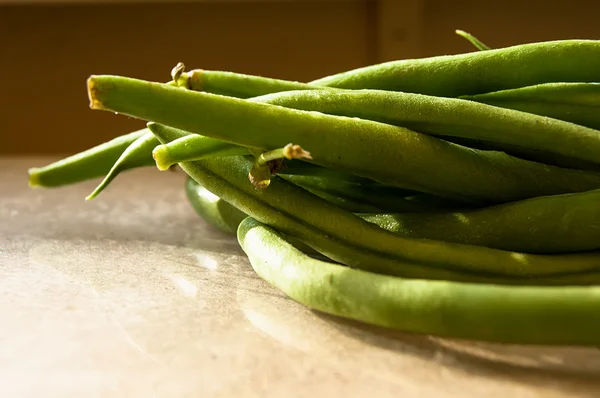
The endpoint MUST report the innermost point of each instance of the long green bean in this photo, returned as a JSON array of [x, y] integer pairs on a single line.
[[194, 147], [479, 72], [578, 103], [551, 224], [450, 117], [510, 314], [241, 85]]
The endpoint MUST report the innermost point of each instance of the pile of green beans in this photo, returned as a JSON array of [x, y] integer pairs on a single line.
[[455, 195]]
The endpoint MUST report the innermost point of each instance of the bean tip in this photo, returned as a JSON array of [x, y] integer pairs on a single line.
[[195, 79], [161, 157], [34, 178], [93, 91]]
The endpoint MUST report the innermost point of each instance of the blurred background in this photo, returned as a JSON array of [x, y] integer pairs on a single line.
[[49, 48]]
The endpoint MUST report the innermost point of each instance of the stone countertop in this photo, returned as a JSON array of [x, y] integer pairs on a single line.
[[133, 295]]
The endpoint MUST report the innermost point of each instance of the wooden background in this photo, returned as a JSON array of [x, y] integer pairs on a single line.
[[48, 50]]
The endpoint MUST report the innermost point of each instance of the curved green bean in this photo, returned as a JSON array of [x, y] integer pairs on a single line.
[[86, 165], [577, 103], [138, 154], [479, 72], [389, 154], [551, 224], [510, 314]]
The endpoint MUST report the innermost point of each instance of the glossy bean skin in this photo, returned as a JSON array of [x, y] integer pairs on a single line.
[[451, 117], [509, 314], [479, 72], [342, 236], [223, 216], [551, 224], [388, 154], [577, 103], [214, 210], [86, 165]]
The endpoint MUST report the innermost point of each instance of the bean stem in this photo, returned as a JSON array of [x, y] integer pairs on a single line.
[[473, 40]]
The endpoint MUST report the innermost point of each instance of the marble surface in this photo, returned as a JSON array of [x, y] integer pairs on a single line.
[[132, 295]]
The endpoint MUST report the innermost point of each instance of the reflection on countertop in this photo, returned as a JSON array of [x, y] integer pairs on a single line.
[[131, 294]]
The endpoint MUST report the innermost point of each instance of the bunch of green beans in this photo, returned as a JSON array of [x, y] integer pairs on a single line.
[[455, 195]]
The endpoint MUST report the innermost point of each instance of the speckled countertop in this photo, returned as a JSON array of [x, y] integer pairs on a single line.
[[132, 295]]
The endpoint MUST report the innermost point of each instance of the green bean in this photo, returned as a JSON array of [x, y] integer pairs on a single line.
[[89, 164], [138, 154], [450, 117], [510, 314], [388, 154], [321, 224], [479, 72], [473, 40], [241, 85], [551, 224], [194, 147], [578, 103]]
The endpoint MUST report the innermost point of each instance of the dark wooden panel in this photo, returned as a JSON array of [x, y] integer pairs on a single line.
[[48, 52], [505, 23]]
